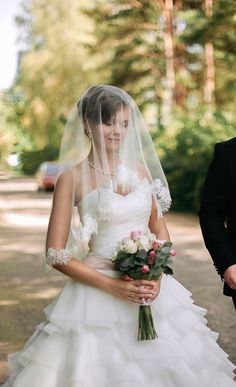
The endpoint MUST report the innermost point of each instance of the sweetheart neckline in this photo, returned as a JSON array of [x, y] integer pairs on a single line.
[[113, 192]]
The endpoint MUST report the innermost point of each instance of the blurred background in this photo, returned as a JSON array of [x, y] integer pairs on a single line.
[[176, 58]]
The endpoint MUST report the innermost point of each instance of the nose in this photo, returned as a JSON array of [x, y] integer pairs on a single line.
[[118, 127]]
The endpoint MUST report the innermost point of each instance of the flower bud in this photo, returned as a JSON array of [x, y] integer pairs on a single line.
[[145, 269], [155, 244], [135, 235]]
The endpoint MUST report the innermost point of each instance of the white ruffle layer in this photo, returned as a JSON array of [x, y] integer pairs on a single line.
[[90, 340]]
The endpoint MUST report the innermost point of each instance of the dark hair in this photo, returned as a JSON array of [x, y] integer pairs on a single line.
[[101, 104]]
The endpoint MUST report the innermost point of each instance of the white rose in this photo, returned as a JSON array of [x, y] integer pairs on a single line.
[[152, 237], [144, 243], [131, 247]]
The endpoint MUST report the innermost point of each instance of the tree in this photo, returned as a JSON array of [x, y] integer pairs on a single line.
[[55, 68], [169, 59]]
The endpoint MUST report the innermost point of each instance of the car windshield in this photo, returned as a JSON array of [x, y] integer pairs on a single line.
[[52, 169]]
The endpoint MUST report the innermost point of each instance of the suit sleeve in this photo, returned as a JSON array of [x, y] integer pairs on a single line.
[[213, 213]]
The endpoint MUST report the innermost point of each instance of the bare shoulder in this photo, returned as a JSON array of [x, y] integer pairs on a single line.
[[64, 184], [65, 179]]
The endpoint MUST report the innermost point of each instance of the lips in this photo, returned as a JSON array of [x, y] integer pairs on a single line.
[[113, 139]]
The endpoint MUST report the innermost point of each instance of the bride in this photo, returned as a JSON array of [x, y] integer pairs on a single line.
[[112, 184]]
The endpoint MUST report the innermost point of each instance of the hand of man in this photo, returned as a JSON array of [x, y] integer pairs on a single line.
[[230, 276]]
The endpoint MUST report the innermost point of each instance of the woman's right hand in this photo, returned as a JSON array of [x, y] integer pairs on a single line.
[[137, 291]]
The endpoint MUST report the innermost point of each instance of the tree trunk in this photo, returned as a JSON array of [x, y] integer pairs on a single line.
[[169, 56], [209, 87]]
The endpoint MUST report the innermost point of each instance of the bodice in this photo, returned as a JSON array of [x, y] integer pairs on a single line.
[[115, 216]]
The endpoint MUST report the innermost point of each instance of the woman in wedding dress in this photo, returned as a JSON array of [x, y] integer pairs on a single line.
[[112, 184]]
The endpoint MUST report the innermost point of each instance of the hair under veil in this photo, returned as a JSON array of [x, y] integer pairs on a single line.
[[108, 149]]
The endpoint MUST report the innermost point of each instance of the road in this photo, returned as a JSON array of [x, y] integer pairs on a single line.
[[26, 288]]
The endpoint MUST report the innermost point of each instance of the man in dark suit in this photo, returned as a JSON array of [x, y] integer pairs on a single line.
[[218, 214]]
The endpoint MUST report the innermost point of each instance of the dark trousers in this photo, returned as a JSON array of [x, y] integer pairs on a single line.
[[234, 301]]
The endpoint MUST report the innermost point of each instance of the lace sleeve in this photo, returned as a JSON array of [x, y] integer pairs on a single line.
[[163, 196]]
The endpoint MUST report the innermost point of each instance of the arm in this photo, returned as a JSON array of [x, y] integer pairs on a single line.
[[158, 227], [213, 213], [57, 235]]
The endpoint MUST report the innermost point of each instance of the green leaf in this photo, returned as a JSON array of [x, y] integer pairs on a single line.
[[127, 262], [141, 254], [166, 249]]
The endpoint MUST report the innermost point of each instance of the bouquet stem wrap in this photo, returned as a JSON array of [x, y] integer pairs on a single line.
[[146, 328]]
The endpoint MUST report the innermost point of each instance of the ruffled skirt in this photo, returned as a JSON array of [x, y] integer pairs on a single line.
[[89, 340]]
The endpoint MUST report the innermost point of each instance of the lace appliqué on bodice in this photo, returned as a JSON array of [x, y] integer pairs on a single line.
[[89, 227]]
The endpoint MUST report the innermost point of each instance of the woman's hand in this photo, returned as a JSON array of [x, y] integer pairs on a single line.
[[156, 288], [137, 291]]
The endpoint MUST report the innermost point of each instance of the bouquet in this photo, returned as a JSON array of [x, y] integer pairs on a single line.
[[143, 256]]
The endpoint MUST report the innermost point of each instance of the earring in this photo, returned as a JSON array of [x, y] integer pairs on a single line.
[[88, 133]]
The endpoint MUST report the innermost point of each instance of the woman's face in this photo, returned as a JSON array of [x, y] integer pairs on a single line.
[[112, 133]]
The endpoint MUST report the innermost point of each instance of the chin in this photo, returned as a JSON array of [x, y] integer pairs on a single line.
[[112, 146]]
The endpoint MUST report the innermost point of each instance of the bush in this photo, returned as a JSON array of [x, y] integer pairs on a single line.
[[30, 160], [186, 153]]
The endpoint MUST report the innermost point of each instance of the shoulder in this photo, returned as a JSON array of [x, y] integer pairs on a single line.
[[64, 184], [226, 146], [65, 178], [68, 177]]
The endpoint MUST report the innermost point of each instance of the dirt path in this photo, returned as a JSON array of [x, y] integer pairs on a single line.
[[26, 288]]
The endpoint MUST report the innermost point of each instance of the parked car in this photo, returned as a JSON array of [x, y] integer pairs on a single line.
[[47, 174]]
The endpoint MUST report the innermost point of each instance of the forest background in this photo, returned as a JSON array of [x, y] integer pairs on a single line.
[[175, 58]]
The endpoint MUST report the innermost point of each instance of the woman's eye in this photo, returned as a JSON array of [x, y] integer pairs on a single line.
[[122, 124]]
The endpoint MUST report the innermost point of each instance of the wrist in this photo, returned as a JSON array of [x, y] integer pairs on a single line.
[[108, 284]]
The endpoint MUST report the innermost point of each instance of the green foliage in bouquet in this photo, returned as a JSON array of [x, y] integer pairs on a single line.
[[133, 264]]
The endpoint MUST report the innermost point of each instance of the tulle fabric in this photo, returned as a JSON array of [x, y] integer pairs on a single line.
[[89, 340]]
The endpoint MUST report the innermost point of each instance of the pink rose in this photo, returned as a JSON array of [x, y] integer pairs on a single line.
[[145, 269], [173, 253], [155, 245], [151, 257], [135, 235], [152, 254]]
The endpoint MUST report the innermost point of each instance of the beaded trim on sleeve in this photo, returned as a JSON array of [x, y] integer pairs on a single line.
[[163, 194], [60, 257]]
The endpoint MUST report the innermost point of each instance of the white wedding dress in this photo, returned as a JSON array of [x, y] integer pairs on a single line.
[[89, 336]]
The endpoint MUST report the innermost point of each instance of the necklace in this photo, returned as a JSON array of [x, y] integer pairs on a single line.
[[100, 170]]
